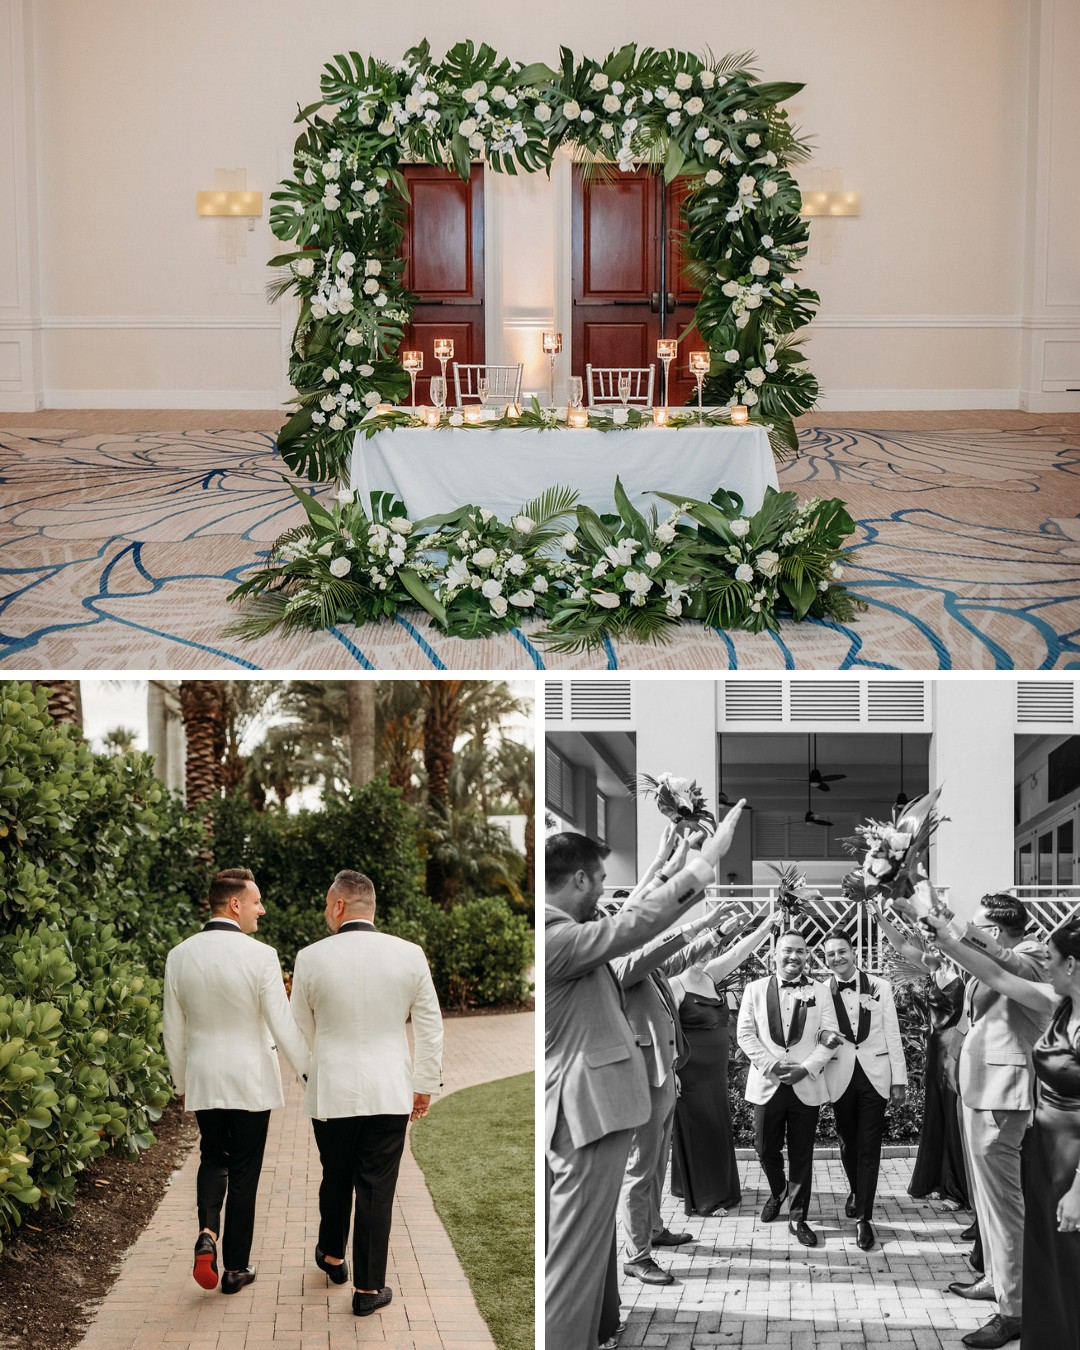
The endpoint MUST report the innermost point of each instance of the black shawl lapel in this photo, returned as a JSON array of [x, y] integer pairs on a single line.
[[798, 1020], [772, 1008], [865, 988], [216, 926], [841, 1012]]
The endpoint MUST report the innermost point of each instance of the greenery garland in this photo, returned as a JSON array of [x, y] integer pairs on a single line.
[[589, 577], [344, 207]]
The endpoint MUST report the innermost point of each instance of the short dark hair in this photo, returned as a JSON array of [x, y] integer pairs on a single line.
[[565, 854], [1007, 911], [620, 895], [1066, 938], [354, 888], [228, 882], [838, 935]]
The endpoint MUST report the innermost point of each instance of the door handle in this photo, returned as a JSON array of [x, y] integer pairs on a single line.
[[654, 302], [670, 301]]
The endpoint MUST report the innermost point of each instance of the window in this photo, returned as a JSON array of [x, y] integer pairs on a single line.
[[559, 784]]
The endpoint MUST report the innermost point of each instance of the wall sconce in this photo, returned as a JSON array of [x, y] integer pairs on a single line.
[[223, 203], [831, 204]]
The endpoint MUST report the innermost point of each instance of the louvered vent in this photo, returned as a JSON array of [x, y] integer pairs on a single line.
[[754, 700], [554, 701], [825, 701], [1046, 701], [559, 784], [600, 700], [895, 701], [783, 837], [601, 817]]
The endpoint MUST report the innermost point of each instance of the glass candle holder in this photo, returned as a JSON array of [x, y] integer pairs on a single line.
[[444, 351], [666, 349], [473, 416], [431, 417], [699, 368], [578, 417], [383, 409], [513, 411], [740, 415], [660, 417], [552, 348], [413, 362]]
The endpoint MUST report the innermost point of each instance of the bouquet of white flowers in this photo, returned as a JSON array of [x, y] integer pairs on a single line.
[[680, 800], [894, 853]]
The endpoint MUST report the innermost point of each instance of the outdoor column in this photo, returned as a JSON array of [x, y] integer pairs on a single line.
[[21, 376], [675, 722], [971, 759]]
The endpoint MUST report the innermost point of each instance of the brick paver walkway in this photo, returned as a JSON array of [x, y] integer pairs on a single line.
[[745, 1283], [155, 1304]]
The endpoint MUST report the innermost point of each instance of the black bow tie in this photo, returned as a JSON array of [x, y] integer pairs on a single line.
[[792, 984], [846, 984]]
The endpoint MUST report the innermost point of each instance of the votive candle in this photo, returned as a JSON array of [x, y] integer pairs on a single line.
[[666, 348], [444, 349], [578, 417], [740, 415], [472, 416], [412, 360], [552, 343], [660, 417], [699, 363]]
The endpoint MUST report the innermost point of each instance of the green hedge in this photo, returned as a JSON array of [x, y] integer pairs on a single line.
[[479, 951]]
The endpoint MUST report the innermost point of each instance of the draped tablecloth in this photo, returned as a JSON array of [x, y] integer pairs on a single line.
[[435, 470]]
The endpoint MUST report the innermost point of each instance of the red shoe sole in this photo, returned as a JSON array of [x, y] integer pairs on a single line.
[[204, 1271]]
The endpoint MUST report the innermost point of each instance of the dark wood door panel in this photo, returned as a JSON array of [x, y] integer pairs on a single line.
[[618, 240], [618, 344]]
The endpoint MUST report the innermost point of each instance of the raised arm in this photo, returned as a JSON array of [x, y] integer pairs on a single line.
[[731, 958], [1039, 997]]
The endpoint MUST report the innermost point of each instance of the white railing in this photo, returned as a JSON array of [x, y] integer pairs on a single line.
[[1049, 906]]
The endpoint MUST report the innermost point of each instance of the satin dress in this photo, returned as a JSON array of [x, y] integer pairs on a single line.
[[1051, 1156], [704, 1172], [939, 1165]]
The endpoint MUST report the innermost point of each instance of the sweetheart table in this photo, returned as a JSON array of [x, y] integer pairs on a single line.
[[434, 471]]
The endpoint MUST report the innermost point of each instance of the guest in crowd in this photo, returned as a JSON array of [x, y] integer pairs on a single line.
[[996, 1083], [779, 1024], [866, 1075], [1052, 1152], [596, 1090], [704, 1172]]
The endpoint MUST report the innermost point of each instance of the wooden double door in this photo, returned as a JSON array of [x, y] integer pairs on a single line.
[[628, 266]]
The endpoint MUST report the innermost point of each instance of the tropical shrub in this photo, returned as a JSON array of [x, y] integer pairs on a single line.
[[479, 951]]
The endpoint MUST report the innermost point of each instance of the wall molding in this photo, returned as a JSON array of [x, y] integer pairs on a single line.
[[917, 400], [248, 400], [140, 322]]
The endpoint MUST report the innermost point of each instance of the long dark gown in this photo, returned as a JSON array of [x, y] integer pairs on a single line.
[[703, 1167], [1052, 1154], [939, 1166]]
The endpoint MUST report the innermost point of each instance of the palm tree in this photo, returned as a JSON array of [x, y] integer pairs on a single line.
[[515, 768], [442, 718], [473, 857], [65, 700], [202, 706], [401, 735], [361, 722], [119, 741]]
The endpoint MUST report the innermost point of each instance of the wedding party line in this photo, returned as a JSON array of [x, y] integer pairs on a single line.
[[637, 1051]]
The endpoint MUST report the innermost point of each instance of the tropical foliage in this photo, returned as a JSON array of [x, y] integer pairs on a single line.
[[343, 208]]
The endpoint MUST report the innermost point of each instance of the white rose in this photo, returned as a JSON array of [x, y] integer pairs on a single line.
[[835, 571], [329, 374], [620, 416], [646, 96], [371, 286], [606, 600], [652, 559], [371, 197], [684, 80], [702, 133], [372, 267], [708, 79], [484, 557], [713, 146], [499, 93], [694, 106], [744, 572], [372, 398], [328, 402], [456, 419], [747, 184], [787, 284], [468, 126], [742, 320], [337, 422], [666, 533], [568, 542], [607, 131], [491, 588], [330, 200], [523, 524], [599, 81], [516, 565], [752, 301], [731, 289], [769, 187], [341, 567], [571, 110], [318, 418], [759, 266], [756, 376], [482, 105], [587, 115], [772, 367], [345, 496], [397, 556], [543, 112], [740, 527], [731, 356], [331, 171], [673, 101], [753, 140], [749, 398], [674, 118], [712, 177], [346, 389], [380, 300], [523, 599], [740, 115], [611, 103], [304, 267], [401, 525], [768, 563]]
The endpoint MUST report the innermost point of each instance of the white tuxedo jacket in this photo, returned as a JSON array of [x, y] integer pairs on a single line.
[[760, 1037], [352, 995], [225, 1007], [871, 1032]]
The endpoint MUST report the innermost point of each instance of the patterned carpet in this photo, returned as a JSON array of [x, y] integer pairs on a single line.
[[118, 550]]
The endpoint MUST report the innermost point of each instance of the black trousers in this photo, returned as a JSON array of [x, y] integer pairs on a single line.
[[360, 1159], [231, 1149], [785, 1114], [860, 1124]]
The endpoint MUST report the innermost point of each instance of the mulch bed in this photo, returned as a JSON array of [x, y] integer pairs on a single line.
[[54, 1271]]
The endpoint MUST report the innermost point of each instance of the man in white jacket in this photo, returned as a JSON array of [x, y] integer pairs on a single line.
[[353, 993], [225, 1007]]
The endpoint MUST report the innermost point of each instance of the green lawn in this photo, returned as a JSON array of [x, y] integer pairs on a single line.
[[476, 1153]]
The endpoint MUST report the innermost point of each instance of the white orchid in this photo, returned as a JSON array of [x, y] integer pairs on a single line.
[[606, 600], [523, 599]]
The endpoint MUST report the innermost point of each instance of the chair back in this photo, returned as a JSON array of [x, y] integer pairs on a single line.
[[602, 384], [504, 384]]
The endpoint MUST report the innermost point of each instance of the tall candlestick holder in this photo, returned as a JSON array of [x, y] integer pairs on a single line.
[[666, 349], [413, 362], [699, 368], [444, 351], [552, 348]]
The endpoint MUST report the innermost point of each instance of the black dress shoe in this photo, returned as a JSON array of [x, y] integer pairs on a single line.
[[970, 1233], [864, 1235], [338, 1274], [977, 1289], [975, 1260], [849, 1205], [647, 1271], [997, 1332], [666, 1238], [205, 1268], [235, 1280], [804, 1233], [772, 1206], [363, 1305]]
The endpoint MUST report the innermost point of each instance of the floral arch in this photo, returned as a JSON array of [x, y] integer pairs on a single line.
[[344, 208]]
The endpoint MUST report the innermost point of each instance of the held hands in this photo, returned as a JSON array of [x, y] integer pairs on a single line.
[[420, 1103], [789, 1072]]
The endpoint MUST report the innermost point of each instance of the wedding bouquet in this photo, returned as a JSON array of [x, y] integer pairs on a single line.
[[792, 892], [894, 855], [680, 800]]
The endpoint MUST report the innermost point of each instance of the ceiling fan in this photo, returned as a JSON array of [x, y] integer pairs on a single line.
[[821, 780], [812, 817]]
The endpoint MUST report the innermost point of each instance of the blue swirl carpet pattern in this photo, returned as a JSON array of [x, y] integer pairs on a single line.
[[117, 552]]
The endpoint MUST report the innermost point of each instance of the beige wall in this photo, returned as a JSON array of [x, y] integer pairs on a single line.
[[923, 107]]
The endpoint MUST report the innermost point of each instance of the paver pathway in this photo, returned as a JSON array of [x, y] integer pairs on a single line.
[[156, 1304], [745, 1283]]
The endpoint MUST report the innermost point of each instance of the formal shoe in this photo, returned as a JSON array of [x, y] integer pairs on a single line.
[[205, 1268], [772, 1206], [666, 1238], [864, 1235], [998, 1331], [804, 1233], [978, 1289], [363, 1305], [647, 1271], [970, 1232], [975, 1261], [235, 1280], [338, 1274], [849, 1205]]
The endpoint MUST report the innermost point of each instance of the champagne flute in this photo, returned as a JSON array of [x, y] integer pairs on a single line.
[[438, 392], [576, 391], [483, 388], [624, 389]]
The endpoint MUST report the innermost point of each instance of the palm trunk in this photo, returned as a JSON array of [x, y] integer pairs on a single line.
[[202, 708], [441, 723], [361, 704], [65, 701]]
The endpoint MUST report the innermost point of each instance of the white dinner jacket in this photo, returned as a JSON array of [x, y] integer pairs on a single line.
[[881, 1051], [353, 993], [757, 1042], [225, 1007]]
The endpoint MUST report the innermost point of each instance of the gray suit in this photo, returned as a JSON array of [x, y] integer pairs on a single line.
[[596, 1091], [996, 1093], [652, 1012]]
